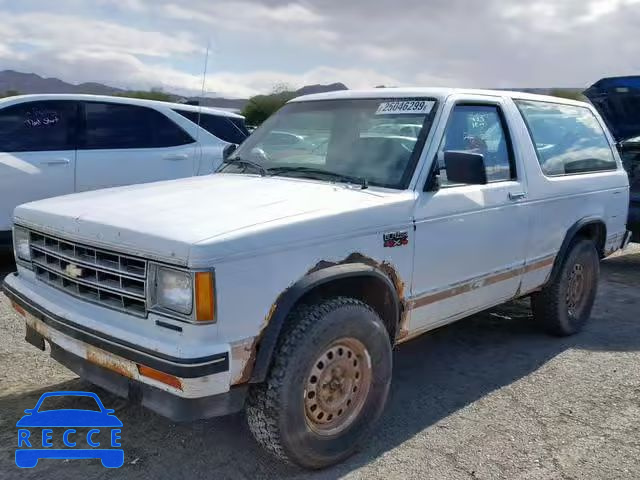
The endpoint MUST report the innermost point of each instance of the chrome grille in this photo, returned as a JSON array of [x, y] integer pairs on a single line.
[[107, 278]]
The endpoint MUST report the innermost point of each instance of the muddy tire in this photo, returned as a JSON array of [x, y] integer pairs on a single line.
[[564, 305], [328, 384]]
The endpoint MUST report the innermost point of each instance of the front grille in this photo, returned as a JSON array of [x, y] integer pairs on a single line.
[[107, 278]]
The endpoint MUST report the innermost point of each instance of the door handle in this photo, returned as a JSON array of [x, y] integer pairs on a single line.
[[177, 157], [57, 161], [517, 195]]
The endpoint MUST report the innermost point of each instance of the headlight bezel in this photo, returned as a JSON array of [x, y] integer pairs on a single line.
[[156, 306], [22, 235]]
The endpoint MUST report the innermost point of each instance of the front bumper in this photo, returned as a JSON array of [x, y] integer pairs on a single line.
[[114, 365], [178, 409]]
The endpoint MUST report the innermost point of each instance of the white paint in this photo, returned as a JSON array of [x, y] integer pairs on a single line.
[[262, 234]]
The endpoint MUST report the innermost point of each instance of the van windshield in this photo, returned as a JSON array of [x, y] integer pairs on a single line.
[[375, 140]]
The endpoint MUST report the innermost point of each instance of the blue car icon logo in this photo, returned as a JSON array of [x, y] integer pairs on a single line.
[[64, 433]]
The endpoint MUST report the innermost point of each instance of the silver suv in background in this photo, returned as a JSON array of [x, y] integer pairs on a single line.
[[53, 145]]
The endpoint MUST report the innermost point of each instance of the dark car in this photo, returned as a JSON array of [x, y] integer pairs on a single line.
[[618, 101]]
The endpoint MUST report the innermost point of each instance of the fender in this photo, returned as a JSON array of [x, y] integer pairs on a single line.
[[290, 297], [571, 234]]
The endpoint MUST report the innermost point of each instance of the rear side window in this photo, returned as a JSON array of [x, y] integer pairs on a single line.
[[228, 129], [568, 138], [38, 126], [113, 126]]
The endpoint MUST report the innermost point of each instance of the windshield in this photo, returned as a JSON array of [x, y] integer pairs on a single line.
[[377, 141]]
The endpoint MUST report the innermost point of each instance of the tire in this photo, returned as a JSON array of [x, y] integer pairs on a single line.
[[563, 306], [280, 412]]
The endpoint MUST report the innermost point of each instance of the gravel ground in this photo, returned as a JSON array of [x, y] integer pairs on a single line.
[[489, 397]]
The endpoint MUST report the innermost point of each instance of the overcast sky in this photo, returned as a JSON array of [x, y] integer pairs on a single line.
[[363, 43]]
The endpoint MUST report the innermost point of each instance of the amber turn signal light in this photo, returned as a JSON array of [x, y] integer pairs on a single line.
[[159, 376], [205, 297]]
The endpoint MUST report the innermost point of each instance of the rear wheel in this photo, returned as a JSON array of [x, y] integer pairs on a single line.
[[564, 305], [328, 384]]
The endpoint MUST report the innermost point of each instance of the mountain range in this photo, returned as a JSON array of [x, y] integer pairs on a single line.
[[28, 83], [25, 83]]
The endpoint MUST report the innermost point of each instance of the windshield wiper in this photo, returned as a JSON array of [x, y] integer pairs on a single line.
[[317, 172], [247, 163]]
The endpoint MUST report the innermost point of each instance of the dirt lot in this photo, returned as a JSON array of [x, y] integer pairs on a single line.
[[487, 398]]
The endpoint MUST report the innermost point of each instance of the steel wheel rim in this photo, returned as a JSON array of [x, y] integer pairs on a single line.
[[337, 387], [576, 289]]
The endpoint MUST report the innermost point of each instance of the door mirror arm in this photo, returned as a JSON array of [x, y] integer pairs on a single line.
[[228, 150], [432, 184]]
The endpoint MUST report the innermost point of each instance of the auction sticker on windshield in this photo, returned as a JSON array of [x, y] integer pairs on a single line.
[[405, 106]]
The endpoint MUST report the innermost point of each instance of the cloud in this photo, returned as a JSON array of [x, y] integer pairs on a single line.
[[363, 43], [293, 21], [127, 71], [62, 32]]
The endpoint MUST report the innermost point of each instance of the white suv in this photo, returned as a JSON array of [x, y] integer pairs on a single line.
[[282, 283], [57, 144]]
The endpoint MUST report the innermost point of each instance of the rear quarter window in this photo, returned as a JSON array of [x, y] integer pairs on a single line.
[[568, 138], [228, 129]]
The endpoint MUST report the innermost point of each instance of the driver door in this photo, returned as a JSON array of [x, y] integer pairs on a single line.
[[470, 241]]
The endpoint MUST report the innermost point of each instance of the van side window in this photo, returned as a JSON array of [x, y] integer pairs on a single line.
[[38, 126], [228, 129], [568, 138], [478, 129], [115, 126]]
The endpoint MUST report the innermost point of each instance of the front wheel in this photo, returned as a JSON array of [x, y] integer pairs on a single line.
[[564, 305], [328, 384]]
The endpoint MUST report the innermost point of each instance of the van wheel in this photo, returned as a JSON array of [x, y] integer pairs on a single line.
[[328, 384], [564, 305]]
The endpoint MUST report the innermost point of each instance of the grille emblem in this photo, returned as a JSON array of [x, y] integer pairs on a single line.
[[73, 271]]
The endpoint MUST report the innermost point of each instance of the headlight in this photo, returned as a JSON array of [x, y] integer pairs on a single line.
[[21, 246], [173, 290]]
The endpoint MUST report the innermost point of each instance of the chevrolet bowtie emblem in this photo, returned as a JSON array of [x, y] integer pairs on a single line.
[[73, 271]]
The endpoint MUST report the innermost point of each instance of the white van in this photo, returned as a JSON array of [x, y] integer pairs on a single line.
[[52, 145]]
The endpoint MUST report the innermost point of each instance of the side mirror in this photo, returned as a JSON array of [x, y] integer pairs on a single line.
[[464, 167], [228, 150], [29, 411]]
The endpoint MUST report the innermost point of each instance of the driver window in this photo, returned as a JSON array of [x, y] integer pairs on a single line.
[[478, 129]]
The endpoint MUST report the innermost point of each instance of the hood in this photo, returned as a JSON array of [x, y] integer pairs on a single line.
[[618, 101], [172, 220]]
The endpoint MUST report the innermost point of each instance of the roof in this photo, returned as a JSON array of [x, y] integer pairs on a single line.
[[437, 93], [124, 100]]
